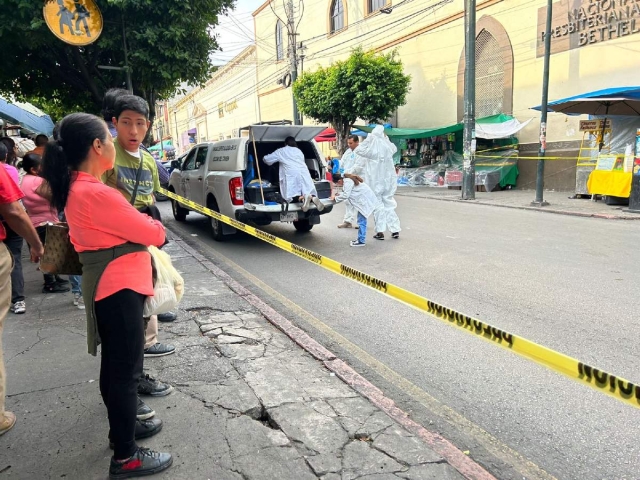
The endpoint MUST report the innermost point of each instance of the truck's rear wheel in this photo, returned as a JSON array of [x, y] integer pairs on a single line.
[[179, 213], [216, 225], [303, 225]]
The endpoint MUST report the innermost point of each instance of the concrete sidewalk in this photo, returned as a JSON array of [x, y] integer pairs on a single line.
[[250, 403], [559, 202]]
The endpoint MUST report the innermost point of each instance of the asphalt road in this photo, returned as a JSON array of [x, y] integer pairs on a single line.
[[565, 282]]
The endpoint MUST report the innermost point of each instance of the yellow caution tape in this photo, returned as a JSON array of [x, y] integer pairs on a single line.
[[517, 157], [596, 378]]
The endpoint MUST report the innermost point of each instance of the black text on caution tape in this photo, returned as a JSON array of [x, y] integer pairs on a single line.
[[368, 280]]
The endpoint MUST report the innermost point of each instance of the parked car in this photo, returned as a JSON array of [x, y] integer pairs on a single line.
[[166, 164], [225, 177]]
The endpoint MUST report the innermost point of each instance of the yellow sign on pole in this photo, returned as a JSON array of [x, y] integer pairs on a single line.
[[593, 125], [76, 22]]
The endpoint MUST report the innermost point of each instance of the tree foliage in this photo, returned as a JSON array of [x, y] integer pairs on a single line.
[[367, 85], [169, 42]]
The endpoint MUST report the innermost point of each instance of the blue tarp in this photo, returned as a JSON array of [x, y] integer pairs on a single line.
[[611, 101], [27, 120]]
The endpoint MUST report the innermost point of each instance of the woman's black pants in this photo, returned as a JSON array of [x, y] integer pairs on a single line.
[[121, 330]]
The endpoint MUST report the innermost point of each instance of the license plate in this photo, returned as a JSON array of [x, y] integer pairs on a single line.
[[289, 217]]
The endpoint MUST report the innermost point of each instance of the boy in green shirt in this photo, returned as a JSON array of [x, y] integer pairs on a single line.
[[131, 122]]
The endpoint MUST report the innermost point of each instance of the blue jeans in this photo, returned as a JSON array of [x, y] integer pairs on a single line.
[[76, 282], [362, 228]]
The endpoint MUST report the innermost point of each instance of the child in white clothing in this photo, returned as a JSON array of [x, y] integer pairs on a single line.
[[362, 198]]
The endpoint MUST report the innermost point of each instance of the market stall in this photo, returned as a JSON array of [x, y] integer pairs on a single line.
[[433, 156], [611, 174], [606, 155]]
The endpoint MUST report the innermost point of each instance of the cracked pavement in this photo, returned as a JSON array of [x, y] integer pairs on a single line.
[[248, 403]]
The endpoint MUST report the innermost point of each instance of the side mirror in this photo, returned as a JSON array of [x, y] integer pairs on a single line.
[[175, 164]]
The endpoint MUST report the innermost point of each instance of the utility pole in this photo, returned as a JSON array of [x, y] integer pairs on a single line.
[[469, 137], [160, 132], [539, 201], [293, 57], [175, 121], [126, 58]]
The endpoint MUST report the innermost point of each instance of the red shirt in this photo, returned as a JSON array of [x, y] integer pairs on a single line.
[[100, 217], [9, 192]]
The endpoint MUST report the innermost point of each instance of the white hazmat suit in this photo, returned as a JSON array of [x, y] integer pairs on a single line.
[[381, 175], [295, 178], [356, 165]]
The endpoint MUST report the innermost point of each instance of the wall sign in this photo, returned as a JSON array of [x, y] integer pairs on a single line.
[[76, 22], [578, 23], [594, 125]]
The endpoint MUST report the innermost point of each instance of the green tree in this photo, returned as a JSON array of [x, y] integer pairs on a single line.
[[169, 42], [367, 85]]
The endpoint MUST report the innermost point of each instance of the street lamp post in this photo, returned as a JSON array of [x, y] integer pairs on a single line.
[[126, 69]]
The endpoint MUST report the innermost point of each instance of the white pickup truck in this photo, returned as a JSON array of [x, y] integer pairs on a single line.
[[224, 177]]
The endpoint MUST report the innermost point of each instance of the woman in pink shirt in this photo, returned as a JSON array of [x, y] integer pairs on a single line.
[[111, 238], [40, 213]]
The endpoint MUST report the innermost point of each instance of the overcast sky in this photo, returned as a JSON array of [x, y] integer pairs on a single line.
[[235, 31]]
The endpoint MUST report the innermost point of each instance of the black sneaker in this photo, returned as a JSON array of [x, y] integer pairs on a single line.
[[145, 429], [143, 462], [61, 280], [55, 288], [159, 350], [395, 235], [145, 412], [167, 317], [152, 387], [379, 236]]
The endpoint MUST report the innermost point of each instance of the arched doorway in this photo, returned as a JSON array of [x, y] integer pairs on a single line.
[[494, 70]]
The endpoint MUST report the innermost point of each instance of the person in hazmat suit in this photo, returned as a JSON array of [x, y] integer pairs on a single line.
[[382, 178], [352, 165], [295, 179]]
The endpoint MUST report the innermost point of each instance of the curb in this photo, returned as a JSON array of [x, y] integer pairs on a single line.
[[455, 457], [603, 216]]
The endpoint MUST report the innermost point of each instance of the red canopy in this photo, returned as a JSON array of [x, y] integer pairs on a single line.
[[329, 135]]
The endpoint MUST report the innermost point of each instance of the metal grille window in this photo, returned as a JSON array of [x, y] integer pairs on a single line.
[[337, 16], [490, 76], [376, 5], [279, 42]]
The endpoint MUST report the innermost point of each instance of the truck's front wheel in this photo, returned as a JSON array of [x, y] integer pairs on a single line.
[[303, 225]]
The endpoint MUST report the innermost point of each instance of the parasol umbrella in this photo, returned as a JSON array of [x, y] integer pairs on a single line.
[[27, 116], [609, 101], [328, 135]]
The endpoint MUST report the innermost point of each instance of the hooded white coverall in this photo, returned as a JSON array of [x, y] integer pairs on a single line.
[[295, 178], [381, 175], [356, 165]]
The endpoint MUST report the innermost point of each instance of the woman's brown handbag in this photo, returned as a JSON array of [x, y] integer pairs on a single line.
[[60, 258]]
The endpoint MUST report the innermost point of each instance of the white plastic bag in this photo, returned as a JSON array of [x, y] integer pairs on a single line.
[[169, 287]]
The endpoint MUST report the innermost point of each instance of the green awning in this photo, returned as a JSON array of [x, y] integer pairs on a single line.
[[416, 133], [436, 132]]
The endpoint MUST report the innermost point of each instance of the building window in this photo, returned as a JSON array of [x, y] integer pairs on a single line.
[[337, 16], [490, 76], [375, 5], [279, 42]]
